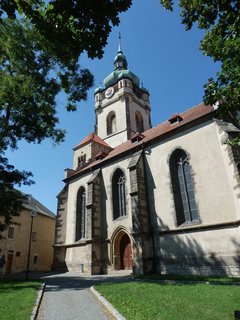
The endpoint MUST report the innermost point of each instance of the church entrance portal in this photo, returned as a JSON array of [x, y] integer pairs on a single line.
[[122, 251], [125, 252]]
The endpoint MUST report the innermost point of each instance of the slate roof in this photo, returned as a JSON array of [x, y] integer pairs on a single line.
[[92, 137], [190, 115], [34, 205]]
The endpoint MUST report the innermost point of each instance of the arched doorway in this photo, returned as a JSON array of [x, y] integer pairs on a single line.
[[125, 252], [122, 251]]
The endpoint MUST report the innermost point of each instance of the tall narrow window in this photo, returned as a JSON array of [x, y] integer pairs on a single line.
[[183, 188], [81, 215], [111, 123], [35, 259], [139, 122], [118, 194], [10, 232]]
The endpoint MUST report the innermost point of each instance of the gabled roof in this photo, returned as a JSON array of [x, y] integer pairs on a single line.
[[34, 205], [92, 137], [193, 114]]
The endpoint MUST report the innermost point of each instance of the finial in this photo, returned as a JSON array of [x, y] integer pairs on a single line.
[[119, 46]]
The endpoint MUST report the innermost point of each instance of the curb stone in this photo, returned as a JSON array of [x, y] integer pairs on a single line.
[[107, 305], [38, 302]]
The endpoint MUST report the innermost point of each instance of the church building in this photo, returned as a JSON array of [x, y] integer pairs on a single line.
[[162, 199]]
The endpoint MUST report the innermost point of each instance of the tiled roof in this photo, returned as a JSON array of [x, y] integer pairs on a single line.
[[188, 116], [34, 205], [92, 137]]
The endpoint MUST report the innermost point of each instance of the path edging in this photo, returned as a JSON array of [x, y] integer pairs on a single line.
[[107, 304], [38, 302]]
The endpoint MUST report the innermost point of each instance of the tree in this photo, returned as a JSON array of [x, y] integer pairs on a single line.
[[79, 25], [221, 42], [39, 57]]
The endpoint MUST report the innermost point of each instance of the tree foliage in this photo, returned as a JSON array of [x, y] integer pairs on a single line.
[[79, 25], [40, 46], [221, 42]]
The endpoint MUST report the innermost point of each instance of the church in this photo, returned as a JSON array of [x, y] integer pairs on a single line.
[[162, 199]]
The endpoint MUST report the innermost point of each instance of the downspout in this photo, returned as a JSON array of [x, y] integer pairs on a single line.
[[148, 210]]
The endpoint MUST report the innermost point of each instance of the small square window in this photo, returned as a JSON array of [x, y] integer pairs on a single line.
[[18, 253], [10, 232]]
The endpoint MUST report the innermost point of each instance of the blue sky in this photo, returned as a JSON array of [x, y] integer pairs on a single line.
[[161, 53]]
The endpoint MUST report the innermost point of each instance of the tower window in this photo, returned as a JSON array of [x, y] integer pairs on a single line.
[[183, 188], [81, 159], [81, 215], [139, 122], [118, 194], [111, 123]]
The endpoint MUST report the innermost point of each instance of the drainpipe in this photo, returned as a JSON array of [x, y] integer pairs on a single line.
[[148, 210]]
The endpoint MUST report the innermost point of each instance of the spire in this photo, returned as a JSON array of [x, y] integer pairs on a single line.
[[120, 61], [119, 45]]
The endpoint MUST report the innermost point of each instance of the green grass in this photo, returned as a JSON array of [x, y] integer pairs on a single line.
[[155, 301], [210, 279], [17, 299]]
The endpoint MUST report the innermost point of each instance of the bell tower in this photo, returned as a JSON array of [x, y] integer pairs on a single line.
[[122, 107]]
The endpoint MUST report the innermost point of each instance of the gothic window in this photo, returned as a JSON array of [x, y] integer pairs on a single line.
[[81, 215], [183, 188], [118, 194], [139, 122], [111, 123]]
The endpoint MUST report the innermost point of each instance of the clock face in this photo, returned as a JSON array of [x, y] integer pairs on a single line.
[[109, 92]]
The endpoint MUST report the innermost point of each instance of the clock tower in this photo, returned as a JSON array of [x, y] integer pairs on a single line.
[[122, 107]]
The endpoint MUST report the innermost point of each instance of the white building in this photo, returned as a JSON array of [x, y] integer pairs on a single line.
[[161, 199]]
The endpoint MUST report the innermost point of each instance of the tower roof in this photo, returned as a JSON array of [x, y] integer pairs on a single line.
[[120, 61], [92, 137], [120, 71]]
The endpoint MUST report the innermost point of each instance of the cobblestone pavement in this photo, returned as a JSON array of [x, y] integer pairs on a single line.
[[67, 297]]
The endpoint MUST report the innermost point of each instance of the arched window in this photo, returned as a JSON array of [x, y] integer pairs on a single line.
[[81, 215], [111, 123], [118, 194], [139, 121], [183, 188]]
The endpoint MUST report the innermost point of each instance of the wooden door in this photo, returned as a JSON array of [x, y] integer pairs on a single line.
[[9, 262], [126, 252]]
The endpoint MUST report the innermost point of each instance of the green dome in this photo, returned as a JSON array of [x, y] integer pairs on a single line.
[[117, 75], [120, 72]]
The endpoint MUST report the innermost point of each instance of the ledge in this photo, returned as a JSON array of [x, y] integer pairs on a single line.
[[199, 227]]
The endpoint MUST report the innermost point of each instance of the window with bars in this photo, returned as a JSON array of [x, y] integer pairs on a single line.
[[118, 194], [183, 188], [81, 215]]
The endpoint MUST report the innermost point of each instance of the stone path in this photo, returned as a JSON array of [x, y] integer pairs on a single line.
[[67, 297]]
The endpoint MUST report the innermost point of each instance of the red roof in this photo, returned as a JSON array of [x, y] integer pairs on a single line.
[[188, 116], [92, 137]]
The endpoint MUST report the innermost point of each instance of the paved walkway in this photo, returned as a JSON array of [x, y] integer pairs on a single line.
[[67, 297]]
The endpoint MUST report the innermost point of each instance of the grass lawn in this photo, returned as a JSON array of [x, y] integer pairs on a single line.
[[155, 301], [17, 299], [210, 279]]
